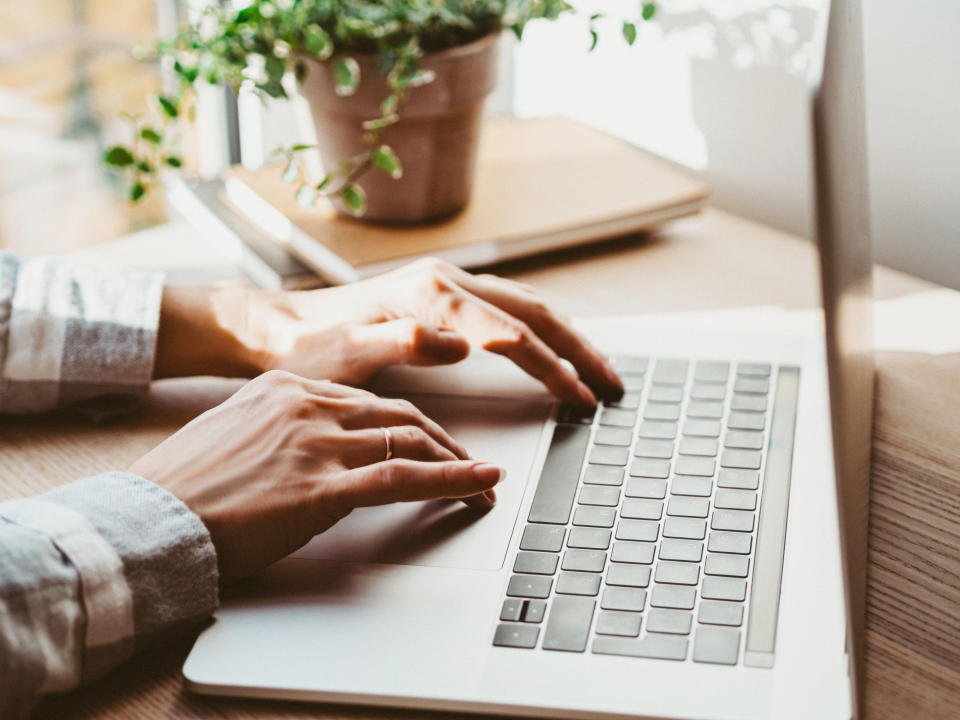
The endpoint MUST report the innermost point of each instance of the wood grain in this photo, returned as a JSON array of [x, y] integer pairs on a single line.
[[913, 617]]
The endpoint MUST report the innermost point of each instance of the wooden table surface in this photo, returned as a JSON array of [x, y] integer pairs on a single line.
[[711, 261]]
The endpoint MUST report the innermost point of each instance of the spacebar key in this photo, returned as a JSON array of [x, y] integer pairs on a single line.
[[561, 471], [663, 647]]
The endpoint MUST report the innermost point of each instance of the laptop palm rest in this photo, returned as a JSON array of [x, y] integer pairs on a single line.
[[447, 533]]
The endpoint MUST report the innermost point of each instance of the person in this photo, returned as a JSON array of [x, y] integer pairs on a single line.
[[98, 568]]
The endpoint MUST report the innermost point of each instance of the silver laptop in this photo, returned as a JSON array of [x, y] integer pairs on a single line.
[[694, 550]]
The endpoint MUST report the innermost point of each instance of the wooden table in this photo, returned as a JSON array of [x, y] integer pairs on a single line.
[[715, 260]]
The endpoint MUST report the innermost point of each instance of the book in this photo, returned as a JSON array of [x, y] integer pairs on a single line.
[[540, 184]]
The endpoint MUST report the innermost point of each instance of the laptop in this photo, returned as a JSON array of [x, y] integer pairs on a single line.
[[696, 549]]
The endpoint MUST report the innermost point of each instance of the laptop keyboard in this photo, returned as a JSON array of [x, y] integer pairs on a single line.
[[642, 535]]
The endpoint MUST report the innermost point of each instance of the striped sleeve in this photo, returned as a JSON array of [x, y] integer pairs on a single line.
[[72, 333], [89, 572]]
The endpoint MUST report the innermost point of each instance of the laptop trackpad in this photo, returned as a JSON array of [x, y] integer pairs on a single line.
[[446, 533]]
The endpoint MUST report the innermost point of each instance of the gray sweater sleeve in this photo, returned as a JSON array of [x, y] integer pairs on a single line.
[[72, 333], [89, 571]]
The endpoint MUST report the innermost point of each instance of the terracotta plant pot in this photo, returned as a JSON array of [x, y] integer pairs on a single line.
[[435, 139]]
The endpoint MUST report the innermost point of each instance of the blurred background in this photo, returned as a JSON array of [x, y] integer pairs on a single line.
[[715, 85]]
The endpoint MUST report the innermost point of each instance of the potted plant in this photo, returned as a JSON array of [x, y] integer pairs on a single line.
[[395, 87]]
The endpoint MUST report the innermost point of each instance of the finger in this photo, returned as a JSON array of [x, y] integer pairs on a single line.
[[556, 332], [407, 342], [409, 480], [368, 446], [390, 413]]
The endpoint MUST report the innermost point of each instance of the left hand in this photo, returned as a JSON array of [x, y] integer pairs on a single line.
[[426, 313]]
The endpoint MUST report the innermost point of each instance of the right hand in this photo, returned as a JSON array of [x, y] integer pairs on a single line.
[[285, 458]]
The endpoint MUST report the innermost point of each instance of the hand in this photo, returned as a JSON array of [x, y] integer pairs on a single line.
[[427, 313], [285, 458]]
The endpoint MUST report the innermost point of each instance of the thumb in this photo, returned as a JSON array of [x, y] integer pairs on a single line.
[[408, 342]]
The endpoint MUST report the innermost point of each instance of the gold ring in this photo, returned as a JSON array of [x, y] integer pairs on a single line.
[[389, 438]]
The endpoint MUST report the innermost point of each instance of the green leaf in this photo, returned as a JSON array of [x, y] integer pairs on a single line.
[[386, 159], [144, 166], [323, 183], [306, 196], [168, 106], [275, 68], [248, 14], [137, 191], [649, 9], [300, 71], [118, 156], [318, 42], [354, 198], [173, 161], [151, 135], [346, 76], [390, 103], [594, 38], [630, 33], [291, 172], [596, 16]]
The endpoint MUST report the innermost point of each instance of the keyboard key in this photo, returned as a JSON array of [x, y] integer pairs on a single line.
[[712, 371], [602, 495], [677, 573], [755, 369], [705, 409], [532, 586], [630, 364], [603, 475], [577, 583], [646, 488], [735, 499], [702, 428], [759, 386], [642, 509], [659, 430], [618, 418], [632, 383], [662, 449], [535, 563], [589, 538], [625, 551], [661, 411], [584, 560], [665, 393], [628, 575], [683, 527], [716, 645], [618, 622], [561, 471], [723, 588], [619, 598], [534, 610], [736, 520], [729, 565], [748, 403], [707, 447], [543, 538], [661, 647], [739, 479], [714, 612], [605, 455], [730, 542], [670, 372], [687, 485], [689, 465], [702, 391], [575, 415], [684, 550], [688, 507], [627, 401], [642, 530], [744, 439], [746, 421], [511, 610], [516, 636], [647, 467], [569, 623], [613, 436], [594, 516], [673, 596], [674, 622], [744, 459]]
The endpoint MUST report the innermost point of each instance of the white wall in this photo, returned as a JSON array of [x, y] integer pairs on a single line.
[[718, 85]]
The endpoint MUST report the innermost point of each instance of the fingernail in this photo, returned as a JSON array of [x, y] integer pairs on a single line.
[[453, 346], [490, 496], [586, 394], [612, 377], [488, 473]]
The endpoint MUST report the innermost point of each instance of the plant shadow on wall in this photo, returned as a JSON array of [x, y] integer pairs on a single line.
[[373, 71]]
